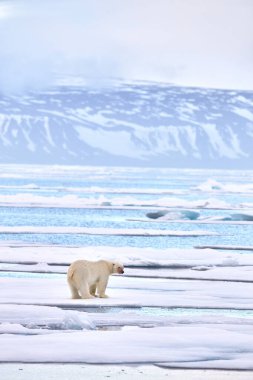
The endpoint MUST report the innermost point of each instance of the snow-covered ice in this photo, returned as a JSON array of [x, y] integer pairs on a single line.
[[74, 201], [188, 344], [100, 231], [30, 318]]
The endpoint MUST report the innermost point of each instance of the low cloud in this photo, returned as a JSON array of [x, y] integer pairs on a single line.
[[191, 42]]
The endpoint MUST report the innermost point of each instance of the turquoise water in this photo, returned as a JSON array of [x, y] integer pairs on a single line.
[[79, 181], [173, 312]]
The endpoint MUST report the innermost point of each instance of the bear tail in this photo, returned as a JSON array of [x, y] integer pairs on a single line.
[[70, 273]]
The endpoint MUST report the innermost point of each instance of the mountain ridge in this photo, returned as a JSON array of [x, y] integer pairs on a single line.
[[140, 124]]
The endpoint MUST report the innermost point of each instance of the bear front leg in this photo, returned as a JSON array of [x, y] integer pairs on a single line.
[[102, 284]]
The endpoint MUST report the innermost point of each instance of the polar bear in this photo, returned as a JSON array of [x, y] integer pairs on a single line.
[[86, 277]]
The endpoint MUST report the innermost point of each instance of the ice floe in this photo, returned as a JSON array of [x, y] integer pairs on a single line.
[[43, 317], [74, 201], [212, 185], [129, 292], [196, 216], [184, 344], [45, 257], [99, 231]]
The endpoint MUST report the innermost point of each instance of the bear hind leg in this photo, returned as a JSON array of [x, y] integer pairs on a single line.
[[93, 290], [74, 291], [85, 291]]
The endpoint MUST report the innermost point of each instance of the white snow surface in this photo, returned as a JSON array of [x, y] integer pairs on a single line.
[[36, 325], [127, 202], [212, 185], [185, 344], [73, 200], [36, 317], [130, 256]]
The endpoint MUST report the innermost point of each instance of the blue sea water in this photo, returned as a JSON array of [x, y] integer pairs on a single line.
[[38, 182]]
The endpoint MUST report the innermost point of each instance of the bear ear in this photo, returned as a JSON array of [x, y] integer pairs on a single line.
[[115, 267]]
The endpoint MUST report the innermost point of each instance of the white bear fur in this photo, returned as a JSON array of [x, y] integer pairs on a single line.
[[85, 278]]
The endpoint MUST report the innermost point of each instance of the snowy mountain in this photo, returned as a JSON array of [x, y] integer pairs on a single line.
[[138, 123]]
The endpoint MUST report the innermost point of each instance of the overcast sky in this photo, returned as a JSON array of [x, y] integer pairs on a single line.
[[189, 42]]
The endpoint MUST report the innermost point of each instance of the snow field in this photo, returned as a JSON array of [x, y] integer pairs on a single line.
[[137, 323]]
